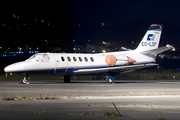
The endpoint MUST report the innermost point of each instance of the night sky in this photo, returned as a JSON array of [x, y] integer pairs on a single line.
[[108, 11], [131, 16]]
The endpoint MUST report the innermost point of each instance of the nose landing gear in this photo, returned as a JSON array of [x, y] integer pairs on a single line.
[[25, 79]]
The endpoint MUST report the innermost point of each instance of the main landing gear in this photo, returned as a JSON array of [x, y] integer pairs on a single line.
[[25, 79], [66, 79], [110, 79]]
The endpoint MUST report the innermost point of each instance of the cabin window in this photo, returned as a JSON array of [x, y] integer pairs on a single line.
[[92, 59], [74, 59], [69, 59], [85, 58], [62, 58], [80, 59]]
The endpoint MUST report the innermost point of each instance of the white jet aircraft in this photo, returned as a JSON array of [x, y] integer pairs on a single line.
[[108, 64]]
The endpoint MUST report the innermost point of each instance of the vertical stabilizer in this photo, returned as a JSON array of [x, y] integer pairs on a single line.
[[151, 39]]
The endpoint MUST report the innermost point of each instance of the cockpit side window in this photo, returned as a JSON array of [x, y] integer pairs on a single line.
[[32, 57], [45, 58], [40, 58], [36, 57]]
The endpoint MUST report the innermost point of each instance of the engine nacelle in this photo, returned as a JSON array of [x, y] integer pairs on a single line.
[[112, 60]]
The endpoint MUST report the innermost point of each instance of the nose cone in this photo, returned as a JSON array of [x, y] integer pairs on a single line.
[[11, 68], [6, 69]]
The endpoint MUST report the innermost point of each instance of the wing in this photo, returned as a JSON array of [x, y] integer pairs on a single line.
[[121, 69]]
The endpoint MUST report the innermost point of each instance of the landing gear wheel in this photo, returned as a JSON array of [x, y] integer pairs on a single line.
[[66, 79], [24, 80], [108, 80]]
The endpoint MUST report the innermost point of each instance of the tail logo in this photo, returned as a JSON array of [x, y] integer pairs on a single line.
[[150, 38]]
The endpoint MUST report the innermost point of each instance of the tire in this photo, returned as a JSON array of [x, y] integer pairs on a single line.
[[67, 79], [108, 80], [24, 80]]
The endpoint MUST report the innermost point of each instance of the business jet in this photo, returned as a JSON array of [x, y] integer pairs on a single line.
[[108, 64]]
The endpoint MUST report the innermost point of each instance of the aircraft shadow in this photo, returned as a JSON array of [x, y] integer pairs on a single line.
[[84, 82]]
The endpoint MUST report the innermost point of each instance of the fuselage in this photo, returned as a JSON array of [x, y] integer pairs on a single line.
[[71, 63], [59, 63]]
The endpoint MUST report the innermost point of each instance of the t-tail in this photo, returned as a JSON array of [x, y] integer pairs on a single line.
[[148, 47], [151, 39]]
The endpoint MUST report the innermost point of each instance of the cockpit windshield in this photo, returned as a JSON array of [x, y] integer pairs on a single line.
[[39, 58]]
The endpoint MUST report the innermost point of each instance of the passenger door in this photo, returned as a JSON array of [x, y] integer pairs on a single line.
[[61, 64]]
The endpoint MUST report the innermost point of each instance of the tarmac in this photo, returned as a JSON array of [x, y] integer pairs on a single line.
[[90, 99]]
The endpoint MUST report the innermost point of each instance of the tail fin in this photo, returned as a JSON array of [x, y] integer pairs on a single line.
[[148, 47], [151, 39]]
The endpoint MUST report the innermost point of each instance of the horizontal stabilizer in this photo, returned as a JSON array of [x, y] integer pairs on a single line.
[[158, 50]]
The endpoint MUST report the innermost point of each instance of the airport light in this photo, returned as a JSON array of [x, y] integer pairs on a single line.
[[104, 42], [173, 49], [46, 41], [14, 15], [102, 24]]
